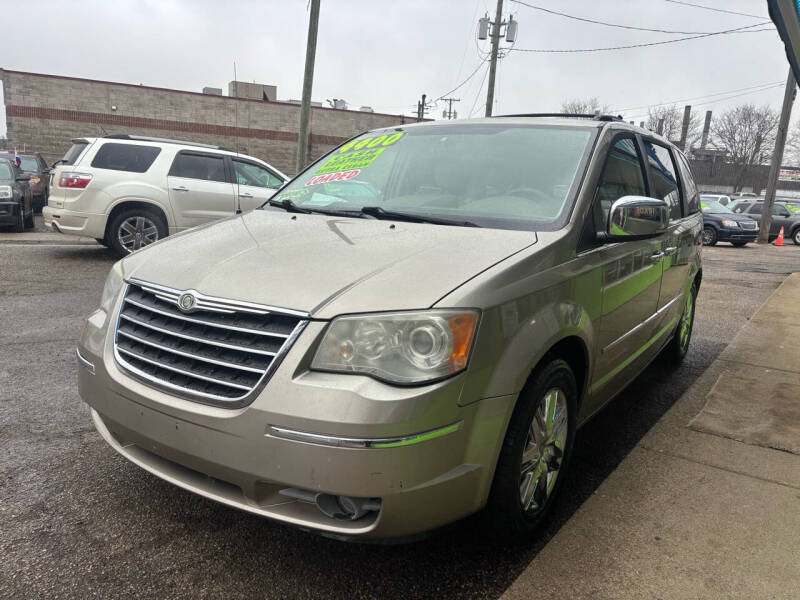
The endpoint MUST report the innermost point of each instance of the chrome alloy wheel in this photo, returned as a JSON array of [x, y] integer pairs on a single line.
[[708, 237], [686, 321], [543, 450], [137, 232]]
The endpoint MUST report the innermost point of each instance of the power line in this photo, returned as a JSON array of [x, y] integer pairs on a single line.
[[458, 87], [752, 87], [478, 95], [720, 10], [606, 24], [683, 39], [772, 87]]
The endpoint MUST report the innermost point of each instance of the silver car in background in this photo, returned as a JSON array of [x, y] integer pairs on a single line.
[[410, 331]]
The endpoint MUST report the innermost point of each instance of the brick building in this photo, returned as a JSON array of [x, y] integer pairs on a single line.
[[44, 112]]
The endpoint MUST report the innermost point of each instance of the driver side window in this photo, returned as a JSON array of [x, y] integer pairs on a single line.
[[622, 177]]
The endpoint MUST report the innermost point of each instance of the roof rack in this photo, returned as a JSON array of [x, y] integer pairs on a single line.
[[595, 117], [145, 138]]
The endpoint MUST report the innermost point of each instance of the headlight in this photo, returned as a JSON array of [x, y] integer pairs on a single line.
[[5, 191], [726, 223], [403, 347], [112, 287]]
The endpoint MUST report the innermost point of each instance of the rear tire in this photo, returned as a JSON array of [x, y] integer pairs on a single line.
[[102, 241], [135, 228], [709, 236], [679, 344], [796, 236], [535, 452]]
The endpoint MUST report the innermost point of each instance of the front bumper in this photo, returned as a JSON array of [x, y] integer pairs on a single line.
[[9, 209], [727, 234], [72, 222], [242, 458]]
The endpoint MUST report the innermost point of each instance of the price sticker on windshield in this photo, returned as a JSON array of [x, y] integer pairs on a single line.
[[358, 154]]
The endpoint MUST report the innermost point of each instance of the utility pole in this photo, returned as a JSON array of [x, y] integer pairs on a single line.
[[487, 28], [498, 18], [308, 79], [706, 129], [777, 158], [449, 113], [422, 109], [687, 113]]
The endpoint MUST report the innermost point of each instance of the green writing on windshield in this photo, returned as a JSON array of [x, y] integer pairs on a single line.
[[359, 154]]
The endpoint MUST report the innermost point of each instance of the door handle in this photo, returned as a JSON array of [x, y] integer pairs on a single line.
[[181, 188], [670, 250], [245, 195]]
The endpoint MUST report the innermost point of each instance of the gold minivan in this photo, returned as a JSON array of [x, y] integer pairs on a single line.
[[409, 331]]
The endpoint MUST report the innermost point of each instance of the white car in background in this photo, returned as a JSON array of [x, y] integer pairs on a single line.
[[723, 199], [129, 191]]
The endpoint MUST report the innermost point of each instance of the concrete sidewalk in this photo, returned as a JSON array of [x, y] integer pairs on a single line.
[[710, 510]]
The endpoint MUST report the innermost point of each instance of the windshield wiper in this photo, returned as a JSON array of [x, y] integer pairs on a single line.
[[380, 213], [290, 206]]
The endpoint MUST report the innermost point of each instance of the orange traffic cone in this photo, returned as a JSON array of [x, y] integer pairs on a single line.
[[779, 241]]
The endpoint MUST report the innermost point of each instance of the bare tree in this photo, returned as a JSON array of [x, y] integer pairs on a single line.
[[747, 133], [791, 153], [586, 106], [673, 124]]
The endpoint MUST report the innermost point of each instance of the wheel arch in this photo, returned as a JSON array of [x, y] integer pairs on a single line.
[[140, 204]]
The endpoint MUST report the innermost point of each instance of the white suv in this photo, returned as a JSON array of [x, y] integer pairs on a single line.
[[128, 191]]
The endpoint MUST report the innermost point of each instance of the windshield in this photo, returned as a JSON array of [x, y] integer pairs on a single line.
[[29, 164], [498, 175], [5, 170], [712, 206]]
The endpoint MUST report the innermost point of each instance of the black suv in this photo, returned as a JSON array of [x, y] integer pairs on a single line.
[[781, 217], [15, 197], [721, 224]]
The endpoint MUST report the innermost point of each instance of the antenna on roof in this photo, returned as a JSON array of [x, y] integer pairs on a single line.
[[236, 136]]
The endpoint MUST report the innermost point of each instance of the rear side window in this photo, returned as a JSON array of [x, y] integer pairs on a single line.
[[125, 157], [691, 197], [664, 178], [199, 166], [73, 153], [622, 177]]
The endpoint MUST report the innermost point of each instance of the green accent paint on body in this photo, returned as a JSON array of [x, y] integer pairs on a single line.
[[422, 437]]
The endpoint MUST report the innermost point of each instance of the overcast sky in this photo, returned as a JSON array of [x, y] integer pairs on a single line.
[[386, 53]]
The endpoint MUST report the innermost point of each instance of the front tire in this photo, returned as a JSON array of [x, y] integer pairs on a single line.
[[28, 221], [133, 229], [19, 223], [709, 236], [535, 453]]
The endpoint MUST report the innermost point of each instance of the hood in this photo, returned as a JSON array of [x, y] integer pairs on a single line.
[[325, 265], [738, 217]]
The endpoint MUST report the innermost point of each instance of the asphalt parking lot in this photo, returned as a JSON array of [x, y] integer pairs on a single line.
[[77, 520]]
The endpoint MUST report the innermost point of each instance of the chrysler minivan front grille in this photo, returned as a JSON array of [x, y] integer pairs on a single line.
[[210, 349]]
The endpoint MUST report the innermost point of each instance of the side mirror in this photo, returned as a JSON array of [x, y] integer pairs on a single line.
[[636, 217]]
